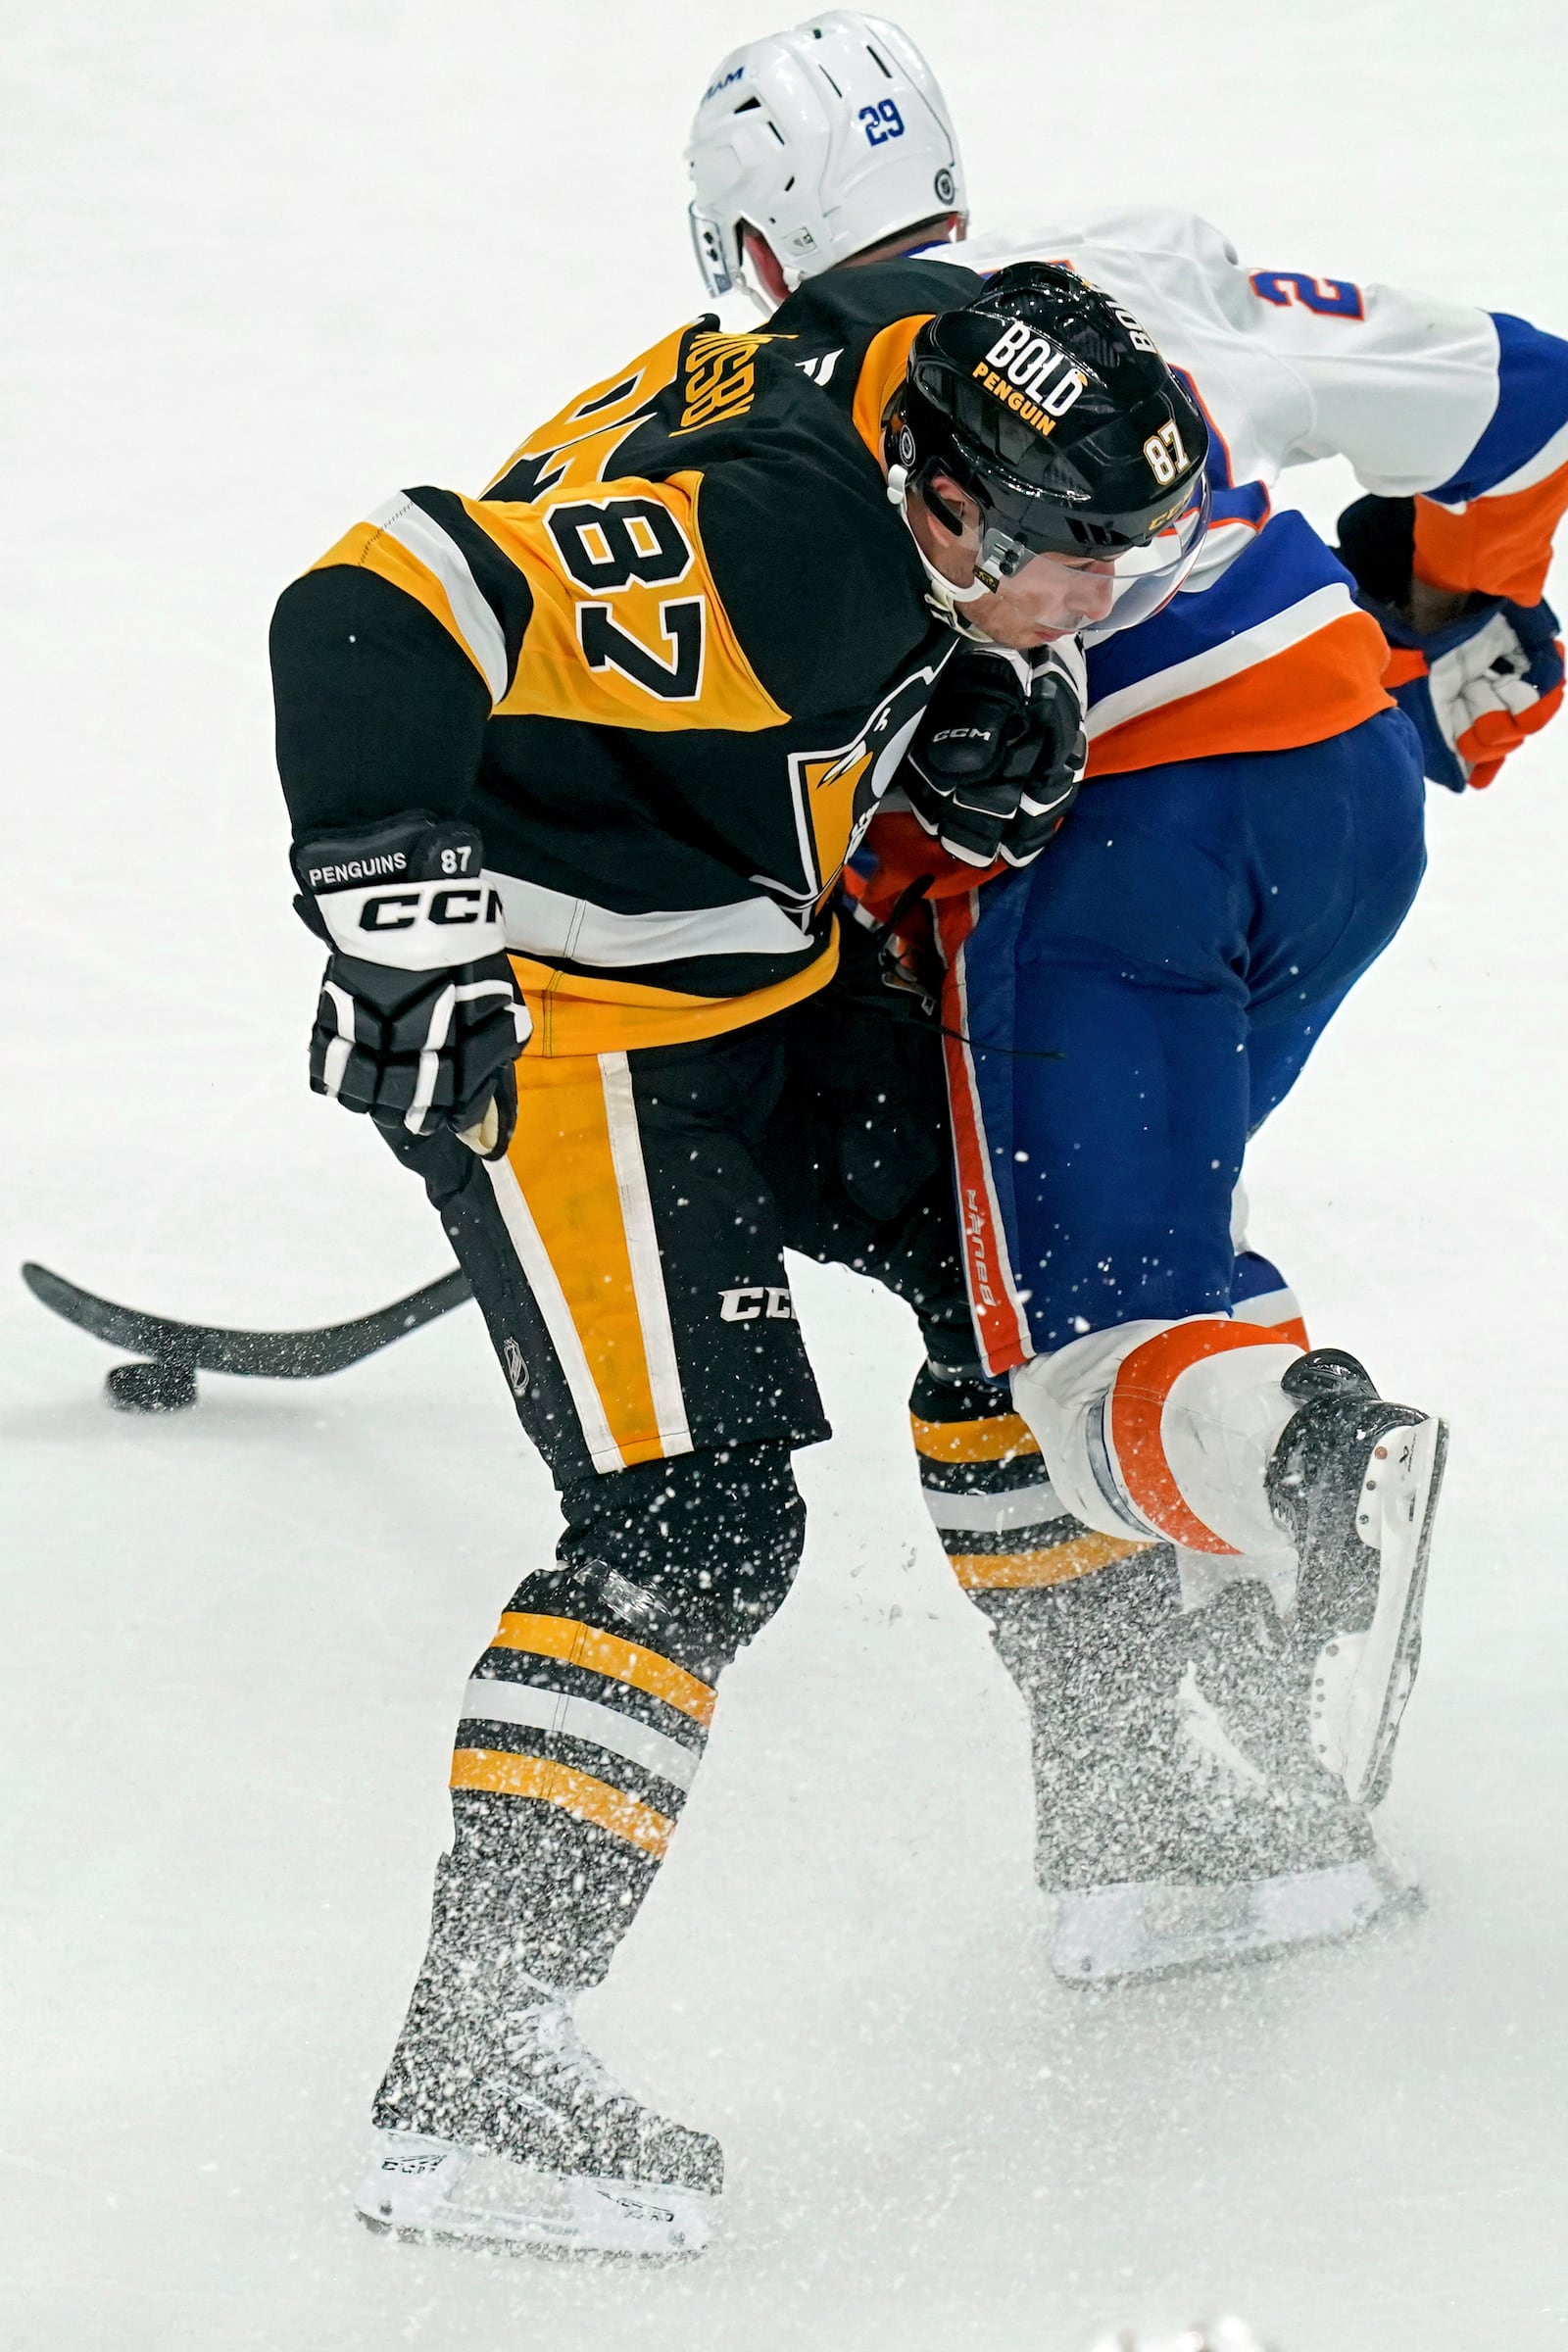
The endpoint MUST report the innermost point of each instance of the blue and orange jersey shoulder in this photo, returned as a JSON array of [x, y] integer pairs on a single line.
[[1488, 529]]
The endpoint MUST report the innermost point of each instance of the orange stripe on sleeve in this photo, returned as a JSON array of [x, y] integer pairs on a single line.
[[1331, 681], [577, 1792], [1291, 1334], [1494, 545], [579, 1644]]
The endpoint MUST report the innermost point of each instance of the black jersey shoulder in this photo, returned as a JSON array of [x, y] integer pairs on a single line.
[[815, 572], [852, 306]]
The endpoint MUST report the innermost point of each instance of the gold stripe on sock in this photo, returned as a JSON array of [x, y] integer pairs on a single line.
[[1058, 1564], [577, 1792], [996, 1438], [608, 1655]]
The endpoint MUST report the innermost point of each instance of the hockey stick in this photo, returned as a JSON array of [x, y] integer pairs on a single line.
[[178, 1352]]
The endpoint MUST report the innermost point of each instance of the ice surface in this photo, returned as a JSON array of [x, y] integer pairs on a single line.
[[262, 266]]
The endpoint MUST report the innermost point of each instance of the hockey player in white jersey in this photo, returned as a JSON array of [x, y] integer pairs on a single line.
[[1132, 1525]]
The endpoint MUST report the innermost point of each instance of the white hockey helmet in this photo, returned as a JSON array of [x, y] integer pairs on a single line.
[[822, 141]]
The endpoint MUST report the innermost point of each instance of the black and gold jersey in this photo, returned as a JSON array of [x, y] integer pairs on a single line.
[[668, 663]]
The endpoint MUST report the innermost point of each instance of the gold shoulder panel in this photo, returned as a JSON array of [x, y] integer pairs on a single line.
[[628, 629]]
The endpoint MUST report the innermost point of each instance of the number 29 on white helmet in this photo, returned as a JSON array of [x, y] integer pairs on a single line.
[[813, 145]]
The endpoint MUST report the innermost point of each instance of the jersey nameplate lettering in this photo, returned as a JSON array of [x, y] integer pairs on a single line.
[[720, 378]]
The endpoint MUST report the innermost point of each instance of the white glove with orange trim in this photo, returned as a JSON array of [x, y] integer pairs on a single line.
[[1476, 686], [420, 1021]]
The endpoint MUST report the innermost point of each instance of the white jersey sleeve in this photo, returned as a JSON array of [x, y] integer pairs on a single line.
[[1296, 366], [1402, 384]]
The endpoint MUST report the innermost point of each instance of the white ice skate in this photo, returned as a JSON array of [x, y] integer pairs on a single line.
[[521, 2141], [1355, 1482], [1109, 1934], [435, 2188], [1362, 1681]]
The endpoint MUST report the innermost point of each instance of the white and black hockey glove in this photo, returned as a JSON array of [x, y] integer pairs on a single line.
[[999, 756], [420, 1021]]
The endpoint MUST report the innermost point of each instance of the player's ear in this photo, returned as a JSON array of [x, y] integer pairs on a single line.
[[951, 504]]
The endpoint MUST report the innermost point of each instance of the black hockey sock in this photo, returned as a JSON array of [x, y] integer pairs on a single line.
[[989, 1495], [581, 1732]]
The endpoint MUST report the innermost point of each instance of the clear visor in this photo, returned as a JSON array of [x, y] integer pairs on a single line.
[[1145, 578]]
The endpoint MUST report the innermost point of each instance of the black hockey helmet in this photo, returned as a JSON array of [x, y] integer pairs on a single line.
[[1052, 407]]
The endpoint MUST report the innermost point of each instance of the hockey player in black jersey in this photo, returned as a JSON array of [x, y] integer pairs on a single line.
[[574, 765]]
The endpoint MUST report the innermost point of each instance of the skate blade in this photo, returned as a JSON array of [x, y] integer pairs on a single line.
[[1362, 1682], [1114, 1934], [434, 2191]]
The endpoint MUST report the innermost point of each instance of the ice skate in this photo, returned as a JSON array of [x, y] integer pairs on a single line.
[[1355, 1482], [1183, 1822], [532, 2145]]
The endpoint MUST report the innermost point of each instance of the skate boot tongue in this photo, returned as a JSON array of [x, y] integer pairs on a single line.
[[541, 2040], [1327, 1372]]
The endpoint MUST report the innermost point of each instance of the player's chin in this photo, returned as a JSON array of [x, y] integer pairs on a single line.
[[1018, 636]]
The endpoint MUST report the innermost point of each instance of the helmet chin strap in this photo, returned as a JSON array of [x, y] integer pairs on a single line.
[[944, 597]]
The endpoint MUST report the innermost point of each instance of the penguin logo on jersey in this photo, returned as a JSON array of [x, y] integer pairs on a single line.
[[837, 791]]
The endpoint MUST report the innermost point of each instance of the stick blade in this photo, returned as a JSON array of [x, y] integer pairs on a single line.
[[249, 1354]]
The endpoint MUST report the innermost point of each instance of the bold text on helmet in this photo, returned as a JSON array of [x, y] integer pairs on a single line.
[[1027, 360]]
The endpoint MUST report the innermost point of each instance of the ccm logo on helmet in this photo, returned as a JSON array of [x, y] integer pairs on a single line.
[[400, 910], [1157, 522]]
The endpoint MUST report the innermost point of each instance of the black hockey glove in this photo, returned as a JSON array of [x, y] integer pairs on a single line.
[[420, 1021], [999, 756]]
